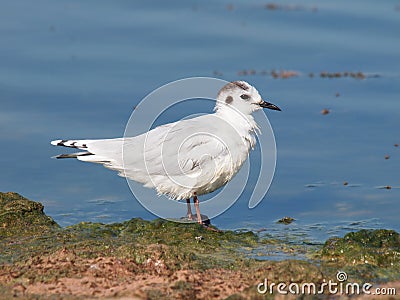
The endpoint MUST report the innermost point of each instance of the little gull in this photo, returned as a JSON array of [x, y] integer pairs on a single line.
[[188, 158]]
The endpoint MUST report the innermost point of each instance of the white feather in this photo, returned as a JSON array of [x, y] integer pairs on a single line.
[[180, 159]]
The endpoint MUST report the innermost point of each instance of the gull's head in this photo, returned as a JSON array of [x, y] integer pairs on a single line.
[[243, 97]]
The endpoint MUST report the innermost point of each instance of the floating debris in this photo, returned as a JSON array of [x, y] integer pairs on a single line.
[[345, 183], [314, 185], [387, 156], [337, 95], [218, 73], [330, 75], [230, 7], [384, 187], [272, 6], [284, 74], [396, 145], [358, 75], [325, 111], [355, 75], [286, 220], [275, 6]]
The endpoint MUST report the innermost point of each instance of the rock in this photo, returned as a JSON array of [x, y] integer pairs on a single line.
[[374, 247], [286, 220], [22, 217]]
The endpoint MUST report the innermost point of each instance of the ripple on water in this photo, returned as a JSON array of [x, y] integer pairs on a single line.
[[295, 240]]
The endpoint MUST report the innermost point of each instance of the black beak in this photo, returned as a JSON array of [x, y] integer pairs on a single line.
[[268, 105]]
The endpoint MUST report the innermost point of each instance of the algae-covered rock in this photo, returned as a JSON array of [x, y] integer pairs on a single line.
[[21, 217], [379, 248], [286, 220], [161, 259], [177, 244], [89, 259]]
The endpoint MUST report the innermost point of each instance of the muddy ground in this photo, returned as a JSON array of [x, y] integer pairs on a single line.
[[158, 259]]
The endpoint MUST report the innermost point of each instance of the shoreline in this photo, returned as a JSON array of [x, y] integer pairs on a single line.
[[140, 259]]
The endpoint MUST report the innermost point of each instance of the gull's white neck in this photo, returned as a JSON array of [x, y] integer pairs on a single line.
[[244, 124]]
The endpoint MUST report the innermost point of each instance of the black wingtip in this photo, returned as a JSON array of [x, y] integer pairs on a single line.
[[72, 155]]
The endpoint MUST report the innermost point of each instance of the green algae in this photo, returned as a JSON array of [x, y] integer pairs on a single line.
[[22, 217], [30, 232], [375, 247], [34, 248], [177, 244], [286, 220], [365, 254]]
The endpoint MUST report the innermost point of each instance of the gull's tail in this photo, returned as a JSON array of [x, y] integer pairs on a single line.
[[73, 155], [107, 152], [77, 144]]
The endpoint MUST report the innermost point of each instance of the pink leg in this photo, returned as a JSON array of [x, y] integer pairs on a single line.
[[189, 210], [196, 205]]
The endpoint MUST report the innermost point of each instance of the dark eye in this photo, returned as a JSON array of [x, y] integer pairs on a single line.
[[245, 97]]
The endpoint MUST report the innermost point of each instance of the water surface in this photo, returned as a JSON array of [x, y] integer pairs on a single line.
[[73, 69]]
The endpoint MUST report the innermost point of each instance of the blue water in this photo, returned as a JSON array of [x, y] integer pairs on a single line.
[[74, 69]]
